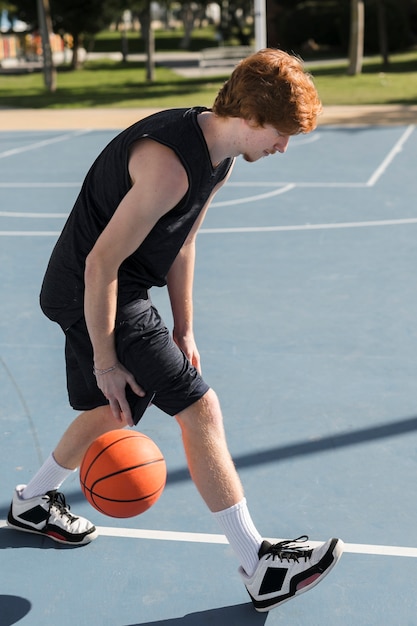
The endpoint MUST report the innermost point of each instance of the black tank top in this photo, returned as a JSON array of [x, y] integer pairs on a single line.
[[107, 182]]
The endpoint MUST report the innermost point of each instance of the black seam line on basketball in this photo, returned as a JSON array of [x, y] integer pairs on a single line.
[[93, 494], [105, 499], [126, 469], [100, 509], [105, 512], [127, 435], [83, 481], [102, 452]]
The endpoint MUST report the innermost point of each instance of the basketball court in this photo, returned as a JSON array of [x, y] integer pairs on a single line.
[[305, 318]]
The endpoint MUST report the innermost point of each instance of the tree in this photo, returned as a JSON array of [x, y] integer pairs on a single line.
[[357, 34], [81, 18], [143, 10], [76, 17], [234, 20], [382, 33], [189, 13], [45, 24], [145, 18]]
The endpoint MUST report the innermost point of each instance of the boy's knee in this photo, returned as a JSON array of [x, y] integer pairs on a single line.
[[103, 420], [206, 413]]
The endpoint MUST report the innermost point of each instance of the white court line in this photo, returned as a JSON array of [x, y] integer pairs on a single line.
[[245, 229], [370, 183], [20, 185], [167, 535], [267, 183], [22, 214], [41, 144], [304, 139], [29, 233], [161, 535], [325, 185], [261, 196], [31, 215], [390, 156], [303, 227]]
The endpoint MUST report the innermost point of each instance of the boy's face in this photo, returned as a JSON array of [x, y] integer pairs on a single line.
[[262, 141]]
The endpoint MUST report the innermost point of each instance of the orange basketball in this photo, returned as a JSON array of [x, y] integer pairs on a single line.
[[123, 473]]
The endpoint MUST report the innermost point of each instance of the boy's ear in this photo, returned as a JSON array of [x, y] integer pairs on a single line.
[[251, 122]]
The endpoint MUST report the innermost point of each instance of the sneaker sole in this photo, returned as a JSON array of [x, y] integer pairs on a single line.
[[53, 534], [316, 573]]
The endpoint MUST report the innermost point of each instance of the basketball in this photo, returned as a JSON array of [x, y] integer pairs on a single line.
[[123, 473]]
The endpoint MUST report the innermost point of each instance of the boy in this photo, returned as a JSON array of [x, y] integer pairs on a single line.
[[134, 226]]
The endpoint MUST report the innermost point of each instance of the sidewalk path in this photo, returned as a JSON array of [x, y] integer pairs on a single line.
[[95, 118]]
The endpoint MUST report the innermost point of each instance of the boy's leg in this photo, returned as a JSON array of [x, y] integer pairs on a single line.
[[209, 460], [38, 507], [272, 573], [214, 474], [82, 432]]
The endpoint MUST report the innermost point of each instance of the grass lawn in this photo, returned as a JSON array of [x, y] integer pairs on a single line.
[[398, 85], [108, 84], [111, 84]]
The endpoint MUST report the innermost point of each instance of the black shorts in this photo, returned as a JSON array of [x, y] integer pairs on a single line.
[[146, 348]]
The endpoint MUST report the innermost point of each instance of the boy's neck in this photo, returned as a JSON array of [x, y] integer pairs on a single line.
[[221, 135]]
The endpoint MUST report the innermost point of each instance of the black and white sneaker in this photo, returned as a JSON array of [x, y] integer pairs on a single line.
[[286, 570], [49, 515]]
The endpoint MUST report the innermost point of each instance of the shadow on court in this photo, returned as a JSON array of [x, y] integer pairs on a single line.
[[12, 609], [239, 615], [302, 448], [10, 538]]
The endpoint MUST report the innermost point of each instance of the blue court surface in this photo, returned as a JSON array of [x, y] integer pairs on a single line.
[[305, 317]]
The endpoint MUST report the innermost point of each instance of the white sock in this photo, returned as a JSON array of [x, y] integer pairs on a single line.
[[50, 476], [241, 534]]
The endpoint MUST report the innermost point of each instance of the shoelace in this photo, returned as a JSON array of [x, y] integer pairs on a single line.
[[286, 550], [57, 499]]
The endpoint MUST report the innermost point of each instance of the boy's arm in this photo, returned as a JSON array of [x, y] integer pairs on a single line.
[[180, 288], [180, 281], [158, 183]]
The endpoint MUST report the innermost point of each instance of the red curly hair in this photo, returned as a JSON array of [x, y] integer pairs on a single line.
[[271, 87]]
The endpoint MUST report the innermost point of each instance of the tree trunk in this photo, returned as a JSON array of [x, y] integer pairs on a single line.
[[187, 16], [45, 25], [76, 62], [145, 19], [125, 43], [357, 33], [382, 34]]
